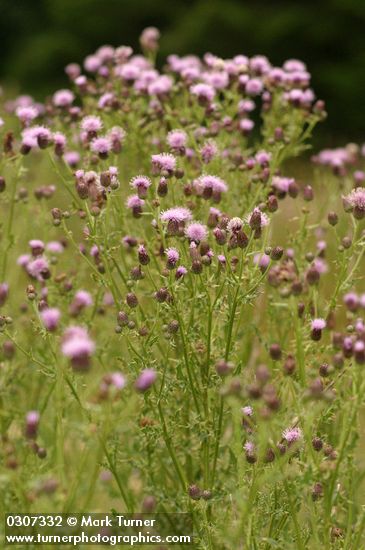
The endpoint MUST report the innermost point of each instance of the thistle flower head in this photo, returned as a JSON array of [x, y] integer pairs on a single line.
[[318, 324], [177, 214], [291, 435], [196, 231], [177, 139], [63, 98], [164, 162], [50, 318], [91, 124]]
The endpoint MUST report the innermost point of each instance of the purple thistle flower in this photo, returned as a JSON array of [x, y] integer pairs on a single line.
[[38, 268], [63, 98], [177, 139], [196, 232], [78, 347], [163, 162], [356, 201], [50, 318], [26, 114], [55, 247], [101, 146], [208, 151], [254, 87], [91, 124], [181, 272], [141, 184], [31, 424], [351, 301], [135, 204], [36, 246], [173, 257], [145, 380], [210, 186], [118, 380], [291, 435]]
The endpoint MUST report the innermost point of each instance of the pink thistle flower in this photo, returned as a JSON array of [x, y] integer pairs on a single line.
[[141, 184], [78, 347], [72, 158], [26, 114], [38, 268], [163, 162], [101, 146], [23, 260], [247, 411], [37, 136], [254, 87], [173, 257], [37, 247], [282, 184], [63, 98], [116, 137], [351, 301], [317, 325], [177, 139], [60, 142], [73, 70], [135, 203], [178, 214], [50, 318], [249, 447], [246, 125], [210, 186], [208, 151], [204, 92], [55, 247], [145, 380], [196, 232], [118, 380], [181, 272], [262, 261], [292, 435], [234, 225], [31, 424], [149, 39], [91, 124], [356, 201], [83, 299], [160, 86]]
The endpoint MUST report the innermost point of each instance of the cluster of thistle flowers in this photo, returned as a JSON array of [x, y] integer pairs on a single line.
[[216, 99]]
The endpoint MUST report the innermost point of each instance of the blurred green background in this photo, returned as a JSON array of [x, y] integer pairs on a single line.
[[39, 37]]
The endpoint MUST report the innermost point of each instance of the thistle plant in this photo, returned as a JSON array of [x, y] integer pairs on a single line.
[[181, 302]]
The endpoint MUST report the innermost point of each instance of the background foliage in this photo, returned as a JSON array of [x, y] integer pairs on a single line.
[[40, 37]]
